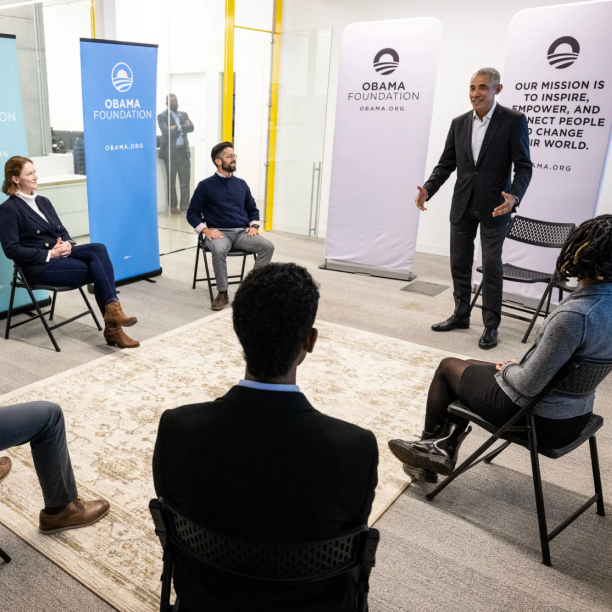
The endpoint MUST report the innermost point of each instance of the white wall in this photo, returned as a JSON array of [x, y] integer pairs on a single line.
[[474, 36]]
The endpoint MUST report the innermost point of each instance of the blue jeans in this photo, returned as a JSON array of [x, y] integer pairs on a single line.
[[42, 425], [87, 263]]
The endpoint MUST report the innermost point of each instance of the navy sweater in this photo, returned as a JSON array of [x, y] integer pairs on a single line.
[[222, 203]]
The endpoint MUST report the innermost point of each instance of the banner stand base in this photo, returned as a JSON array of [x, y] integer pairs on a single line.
[[25, 308], [342, 266], [132, 279]]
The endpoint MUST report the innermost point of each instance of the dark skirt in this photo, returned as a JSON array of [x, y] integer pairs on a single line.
[[480, 393]]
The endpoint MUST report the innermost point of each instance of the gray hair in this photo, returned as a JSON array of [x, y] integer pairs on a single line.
[[493, 75]]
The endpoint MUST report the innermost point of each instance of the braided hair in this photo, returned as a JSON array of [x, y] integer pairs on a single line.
[[587, 253]]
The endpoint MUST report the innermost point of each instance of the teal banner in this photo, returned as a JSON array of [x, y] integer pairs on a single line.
[[12, 142]]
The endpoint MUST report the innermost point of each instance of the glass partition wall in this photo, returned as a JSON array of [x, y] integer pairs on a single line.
[[190, 35]]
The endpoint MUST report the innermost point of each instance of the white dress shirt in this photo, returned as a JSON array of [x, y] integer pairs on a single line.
[[30, 200], [479, 129]]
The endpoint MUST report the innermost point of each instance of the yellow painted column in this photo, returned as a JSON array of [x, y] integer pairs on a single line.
[[228, 71], [92, 17], [278, 17]]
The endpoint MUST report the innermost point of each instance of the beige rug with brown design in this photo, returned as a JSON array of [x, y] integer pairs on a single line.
[[112, 407]]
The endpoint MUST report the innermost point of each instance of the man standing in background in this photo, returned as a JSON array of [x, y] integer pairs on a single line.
[[174, 150], [482, 146]]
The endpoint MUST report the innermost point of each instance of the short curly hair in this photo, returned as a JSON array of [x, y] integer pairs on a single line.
[[587, 252], [273, 312]]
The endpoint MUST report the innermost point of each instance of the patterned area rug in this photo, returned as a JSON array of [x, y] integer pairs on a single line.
[[112, 407]]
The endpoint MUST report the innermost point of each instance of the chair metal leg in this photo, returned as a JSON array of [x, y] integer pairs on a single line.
[[466, 465], [243, 266], [42, 318], [195, 270], [9, 314], [4, 555], [596, 475], [548, 303], [547, 292], [475, 297], [496, 452], [52, 312], [166, 581], [208, 276], [91, 312], [539, 495]]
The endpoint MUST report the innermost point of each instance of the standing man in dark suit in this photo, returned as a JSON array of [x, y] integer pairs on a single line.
[[261, 464], [175, 125], [482, 146]]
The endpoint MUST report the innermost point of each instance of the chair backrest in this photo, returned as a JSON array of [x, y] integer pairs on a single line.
[[579, 377], [539, 233], [286, 564]]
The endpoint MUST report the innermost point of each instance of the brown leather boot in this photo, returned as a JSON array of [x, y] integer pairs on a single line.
[[221, 301], [5, 467], [115, 314], [115, 336], [77, 514]]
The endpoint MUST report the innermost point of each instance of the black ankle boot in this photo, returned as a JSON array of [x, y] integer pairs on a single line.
[[417, 473], [437, 454]]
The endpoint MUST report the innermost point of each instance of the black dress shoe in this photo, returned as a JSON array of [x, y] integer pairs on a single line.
[[450, 324], [488, 340]]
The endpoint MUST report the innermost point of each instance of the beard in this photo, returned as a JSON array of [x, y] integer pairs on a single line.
[[228, 167]]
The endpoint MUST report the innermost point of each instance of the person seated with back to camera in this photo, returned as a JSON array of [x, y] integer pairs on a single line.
[[260, 464], [580, 326], [223, 210], [33, 236], [42, 425]]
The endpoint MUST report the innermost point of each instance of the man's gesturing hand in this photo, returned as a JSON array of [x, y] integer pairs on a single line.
[[507, 206], [212, 234], [421, 198]]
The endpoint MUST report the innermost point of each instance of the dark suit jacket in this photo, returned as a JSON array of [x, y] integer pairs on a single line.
[[25, 236], [162, 120], [264, 466], [506, 142]]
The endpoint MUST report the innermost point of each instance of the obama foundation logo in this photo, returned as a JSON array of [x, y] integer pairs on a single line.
[[563, 58], [386, 61]]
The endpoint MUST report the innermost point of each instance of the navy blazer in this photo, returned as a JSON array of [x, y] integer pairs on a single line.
[[25, 236], [506, 142]]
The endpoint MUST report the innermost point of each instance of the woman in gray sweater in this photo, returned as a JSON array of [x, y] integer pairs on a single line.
[[581, 326]]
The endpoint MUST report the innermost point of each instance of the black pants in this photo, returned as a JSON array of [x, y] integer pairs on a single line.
[[179, 164], [463, 234], [87, 263]]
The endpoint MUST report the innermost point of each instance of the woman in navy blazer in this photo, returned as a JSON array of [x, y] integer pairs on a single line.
[[32, 235]]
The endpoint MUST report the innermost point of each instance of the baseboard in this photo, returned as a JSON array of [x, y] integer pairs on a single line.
[[26, 308], [433, 249]]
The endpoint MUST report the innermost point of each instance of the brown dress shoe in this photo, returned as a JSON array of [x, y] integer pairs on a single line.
[[79, 513], [115, 336], [221, 301], [115, 314], [5, 467]]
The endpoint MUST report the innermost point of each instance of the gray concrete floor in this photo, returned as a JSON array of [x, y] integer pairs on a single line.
[[400, 581]]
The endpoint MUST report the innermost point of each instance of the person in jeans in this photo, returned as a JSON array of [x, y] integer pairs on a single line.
[[42, 425], [261, 464], [581, 326], [223, 210], [32, 235]]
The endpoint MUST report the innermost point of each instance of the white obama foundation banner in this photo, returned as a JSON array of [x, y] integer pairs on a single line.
[[559, 73], [383, 116]]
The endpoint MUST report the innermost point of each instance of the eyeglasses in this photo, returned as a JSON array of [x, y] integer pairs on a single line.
[[230, 156]]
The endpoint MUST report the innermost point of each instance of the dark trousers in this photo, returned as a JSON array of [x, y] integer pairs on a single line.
[[87, 263], [42, 425], [463, 235], [178, 164]]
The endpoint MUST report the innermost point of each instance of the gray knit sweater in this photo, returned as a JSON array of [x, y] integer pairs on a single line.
[[581, 326]]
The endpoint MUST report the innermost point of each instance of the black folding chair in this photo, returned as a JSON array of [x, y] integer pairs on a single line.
[[538, 233], [211, 280], [273, 564], [19, 282], [5, 556], [578, 378]]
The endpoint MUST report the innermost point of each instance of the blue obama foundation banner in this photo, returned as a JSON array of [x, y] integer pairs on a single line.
[[119, 82], [12, 142]]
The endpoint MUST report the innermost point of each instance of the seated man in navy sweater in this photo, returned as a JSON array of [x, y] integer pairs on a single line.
[[223, 209]]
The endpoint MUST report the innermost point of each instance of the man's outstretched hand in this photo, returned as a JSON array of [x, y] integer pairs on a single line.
[[421, 198], [507, 206]]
